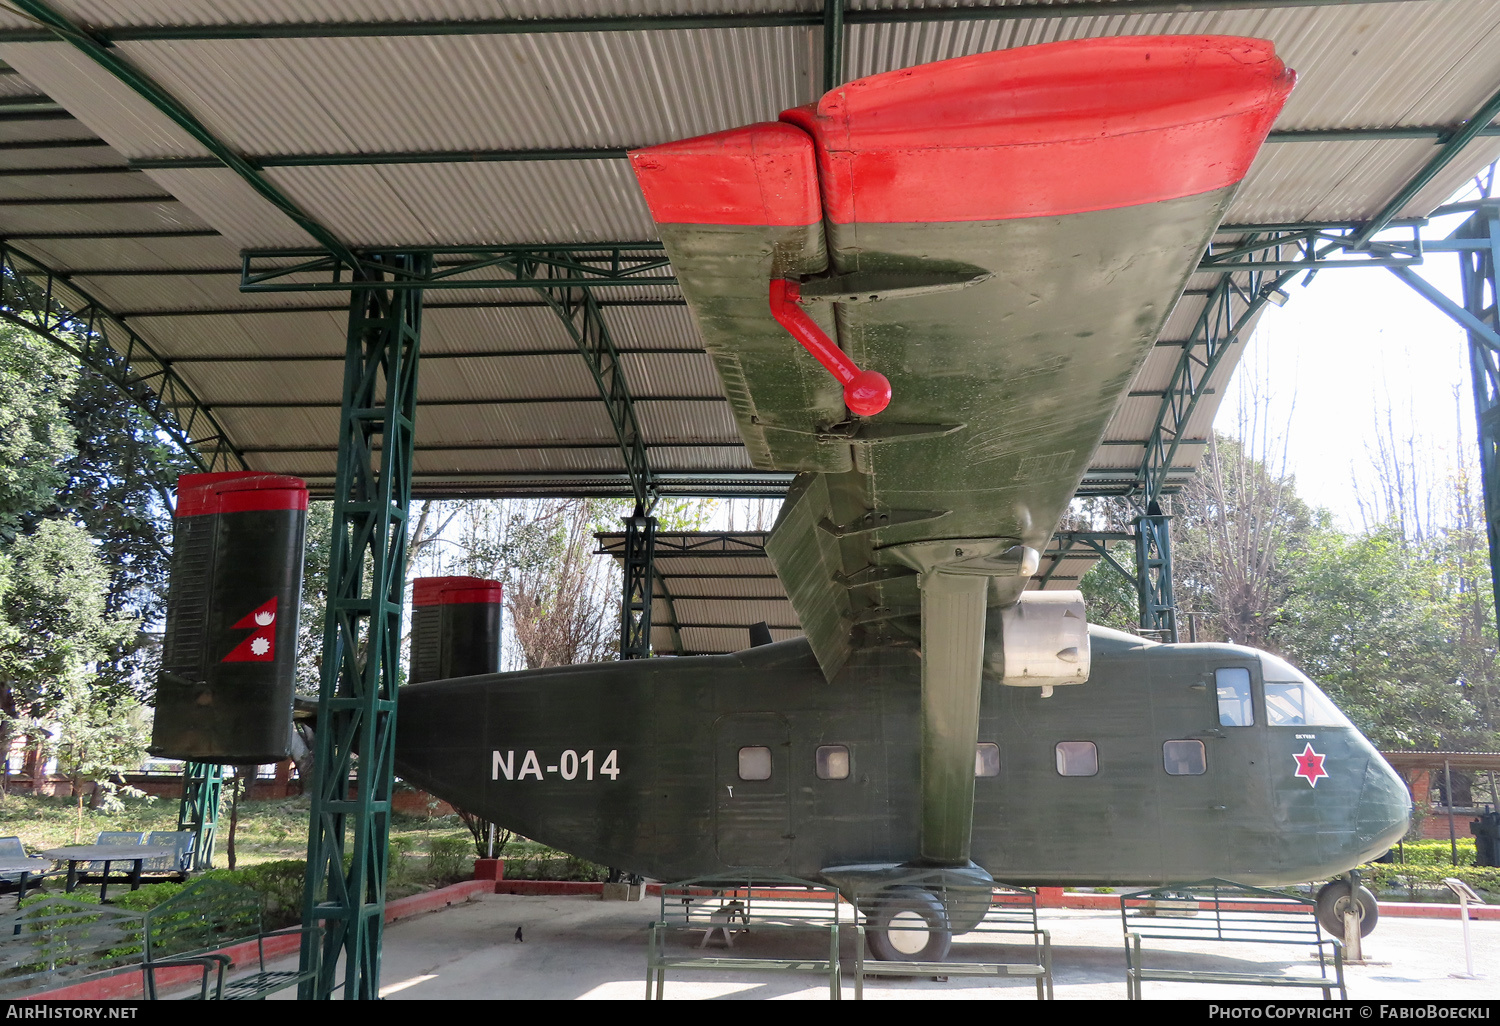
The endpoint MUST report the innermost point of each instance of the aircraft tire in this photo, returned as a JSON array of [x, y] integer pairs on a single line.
[[1333, 899], [909, 925]]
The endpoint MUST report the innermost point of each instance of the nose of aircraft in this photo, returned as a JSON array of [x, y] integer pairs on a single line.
[[1384, 813]]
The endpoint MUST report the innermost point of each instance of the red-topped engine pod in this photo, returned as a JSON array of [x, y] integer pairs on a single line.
[[455, 627], [230, 652]]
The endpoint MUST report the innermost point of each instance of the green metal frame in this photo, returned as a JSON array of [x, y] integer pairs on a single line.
[[198, 811], [458, 267], [833, 65], [833, 44], [362, 643], [638, 566], [1097, 542], [1153, 580], [664, 22], [1475, 241], [564, 277]]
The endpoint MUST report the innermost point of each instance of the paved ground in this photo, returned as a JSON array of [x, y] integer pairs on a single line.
[[581, 947]]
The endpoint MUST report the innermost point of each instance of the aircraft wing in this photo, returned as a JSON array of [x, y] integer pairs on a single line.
[[1027, 219], [1002, 237]]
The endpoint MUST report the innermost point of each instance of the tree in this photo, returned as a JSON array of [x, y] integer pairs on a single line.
[[36, 379], [96, 741], [1370, 619], [563, 600], [1236, 527], [119, 484], [57, 628]]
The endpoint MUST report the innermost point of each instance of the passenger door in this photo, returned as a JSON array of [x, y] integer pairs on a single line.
[[752, 767]]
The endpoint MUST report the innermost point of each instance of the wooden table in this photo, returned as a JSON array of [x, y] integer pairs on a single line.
[[107, 853], [26, 868]]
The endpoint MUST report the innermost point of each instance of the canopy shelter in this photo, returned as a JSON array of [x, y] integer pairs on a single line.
[[251, 216], [416, 125]]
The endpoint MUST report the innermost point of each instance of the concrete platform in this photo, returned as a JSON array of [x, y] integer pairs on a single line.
[[578, 947]]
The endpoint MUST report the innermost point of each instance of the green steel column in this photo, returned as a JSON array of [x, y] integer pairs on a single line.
[[1480, 294], [356, 734], [1153, 573], [639, 573], [202, 783], [833, 44]]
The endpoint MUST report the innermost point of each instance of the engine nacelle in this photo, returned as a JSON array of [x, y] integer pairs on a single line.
[[1040, 641]]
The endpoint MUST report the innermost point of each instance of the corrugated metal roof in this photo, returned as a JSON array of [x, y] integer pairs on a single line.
[[1398, 64]]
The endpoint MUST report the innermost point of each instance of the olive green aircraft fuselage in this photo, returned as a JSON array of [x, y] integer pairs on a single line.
[[642, 765]]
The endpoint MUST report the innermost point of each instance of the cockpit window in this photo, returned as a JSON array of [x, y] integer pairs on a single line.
[[1233, 683], [1294, 701]]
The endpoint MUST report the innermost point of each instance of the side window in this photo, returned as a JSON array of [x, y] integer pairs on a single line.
[[755, 763], [986, 759], [1235, 710], [833, 762], [1077, 758], [1184, 758]]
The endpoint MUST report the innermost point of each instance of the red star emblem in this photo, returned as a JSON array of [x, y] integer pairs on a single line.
[[1310, 765]]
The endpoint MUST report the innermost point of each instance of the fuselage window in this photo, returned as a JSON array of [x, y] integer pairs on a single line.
[[755, 763], [1184, 758], [1235, 710], [833, 762], [1077, 758], [986, 759]]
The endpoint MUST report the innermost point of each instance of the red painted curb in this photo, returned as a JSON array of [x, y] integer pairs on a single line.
[[544, 886], [127, 985], [428, 901]]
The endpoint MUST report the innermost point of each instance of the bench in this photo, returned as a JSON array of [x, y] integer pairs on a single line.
[[999, 912], [209, 915], [709, 906], [1218, 912], [57, 942], [170, 867]]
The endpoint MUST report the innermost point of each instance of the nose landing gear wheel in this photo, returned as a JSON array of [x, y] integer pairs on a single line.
[[909, 925], [1333, 901]]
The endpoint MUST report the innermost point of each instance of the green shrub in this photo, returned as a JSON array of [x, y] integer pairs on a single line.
[[279, 884], [558, 867], [449, 860], [1437, 853], [1404, 882]]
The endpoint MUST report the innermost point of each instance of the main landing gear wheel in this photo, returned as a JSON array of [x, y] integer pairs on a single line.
[[909, 925], [1333, 901]]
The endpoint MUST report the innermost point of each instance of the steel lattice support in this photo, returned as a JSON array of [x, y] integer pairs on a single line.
[[639, 573], [202, 784], [1232, 305], [361, 644], [1153, 573], [584, 321], [1481, 296]]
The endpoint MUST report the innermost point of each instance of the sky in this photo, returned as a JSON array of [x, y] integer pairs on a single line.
[[1354, 355]]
